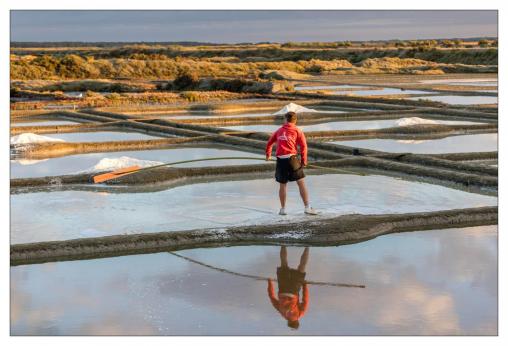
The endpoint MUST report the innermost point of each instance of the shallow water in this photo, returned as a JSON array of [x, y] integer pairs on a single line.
[[475, 83], [459, 100], [492, 162], [466, 81], [234, 115], [76, 163], [44, 123], [209, 116], [220, 204], [418, 283], [330, 87], [340, 125], [485, 91], [453, 144], [100, 136], [380, 92]]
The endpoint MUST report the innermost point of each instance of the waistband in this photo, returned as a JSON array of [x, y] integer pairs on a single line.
[[286, 158]]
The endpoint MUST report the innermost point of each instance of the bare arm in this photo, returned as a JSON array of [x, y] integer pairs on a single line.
[[269, 145], [305, 300], [302, 142], [271, 295]]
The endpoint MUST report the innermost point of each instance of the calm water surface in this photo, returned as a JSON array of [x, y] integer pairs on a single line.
[[340, 125], [330, 87], [44, 123], [60, 215], [382, 92], [439, 282], [76, 163], [459, 100], [453, 144], [100, 136]]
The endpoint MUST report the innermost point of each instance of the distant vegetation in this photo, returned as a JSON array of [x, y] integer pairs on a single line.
[[193, 71], [156, 66], [122, 99], [469, 42]]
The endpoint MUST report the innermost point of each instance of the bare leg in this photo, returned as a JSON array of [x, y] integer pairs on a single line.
[[303, 260], [303, 191], [283, 257], [282, 195]]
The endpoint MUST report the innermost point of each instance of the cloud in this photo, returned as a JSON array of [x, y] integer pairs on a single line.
[[245, 26], [417, 283]]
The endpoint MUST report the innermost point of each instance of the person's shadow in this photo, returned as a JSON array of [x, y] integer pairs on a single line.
[[290, 280]]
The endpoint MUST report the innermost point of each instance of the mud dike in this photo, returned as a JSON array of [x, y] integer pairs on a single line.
[[465, 171]]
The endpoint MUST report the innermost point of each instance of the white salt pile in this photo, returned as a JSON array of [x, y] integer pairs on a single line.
[[108, 164], [411, 141], [31, 138], [293, 107], [414, 121]]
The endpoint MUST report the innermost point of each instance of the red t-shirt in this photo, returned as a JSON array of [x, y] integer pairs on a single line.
[[288, 137], [289, 306]]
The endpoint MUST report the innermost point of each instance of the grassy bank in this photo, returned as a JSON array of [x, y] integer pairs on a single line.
[[75, 67], [165, 62], [130, 99]]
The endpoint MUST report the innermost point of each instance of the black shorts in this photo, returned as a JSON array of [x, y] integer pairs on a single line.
[[289, 169], [290, 280]]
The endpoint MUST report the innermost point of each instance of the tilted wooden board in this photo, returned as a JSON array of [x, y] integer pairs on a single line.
[[115, 174]]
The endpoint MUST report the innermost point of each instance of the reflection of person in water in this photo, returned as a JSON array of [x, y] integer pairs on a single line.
[[290, 281]]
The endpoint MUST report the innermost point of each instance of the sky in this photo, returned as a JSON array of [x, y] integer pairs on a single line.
[[248, 26]]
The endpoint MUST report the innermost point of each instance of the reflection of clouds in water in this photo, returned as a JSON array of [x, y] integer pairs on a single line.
[[20, 301], [23, 311], [395, 301], [400, 298], [430, 282], [111, 325], [76, 299], [480, 272], [433, 312]]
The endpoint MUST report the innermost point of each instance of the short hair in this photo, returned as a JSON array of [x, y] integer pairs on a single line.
[[291, 117], [294, 324]]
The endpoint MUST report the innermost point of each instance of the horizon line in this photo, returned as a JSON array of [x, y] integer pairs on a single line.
[[266, 42]]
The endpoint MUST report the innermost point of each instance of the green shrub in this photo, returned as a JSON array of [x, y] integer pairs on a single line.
[[483, 43], [90, 93], [186, 79], [113, 96], [190, 96], [315, 68]]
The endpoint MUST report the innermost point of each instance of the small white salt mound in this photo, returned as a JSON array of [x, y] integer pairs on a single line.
[[414, 121], [411, 141], [293, 107], [108, 164], [31, 138], [26, 162]]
